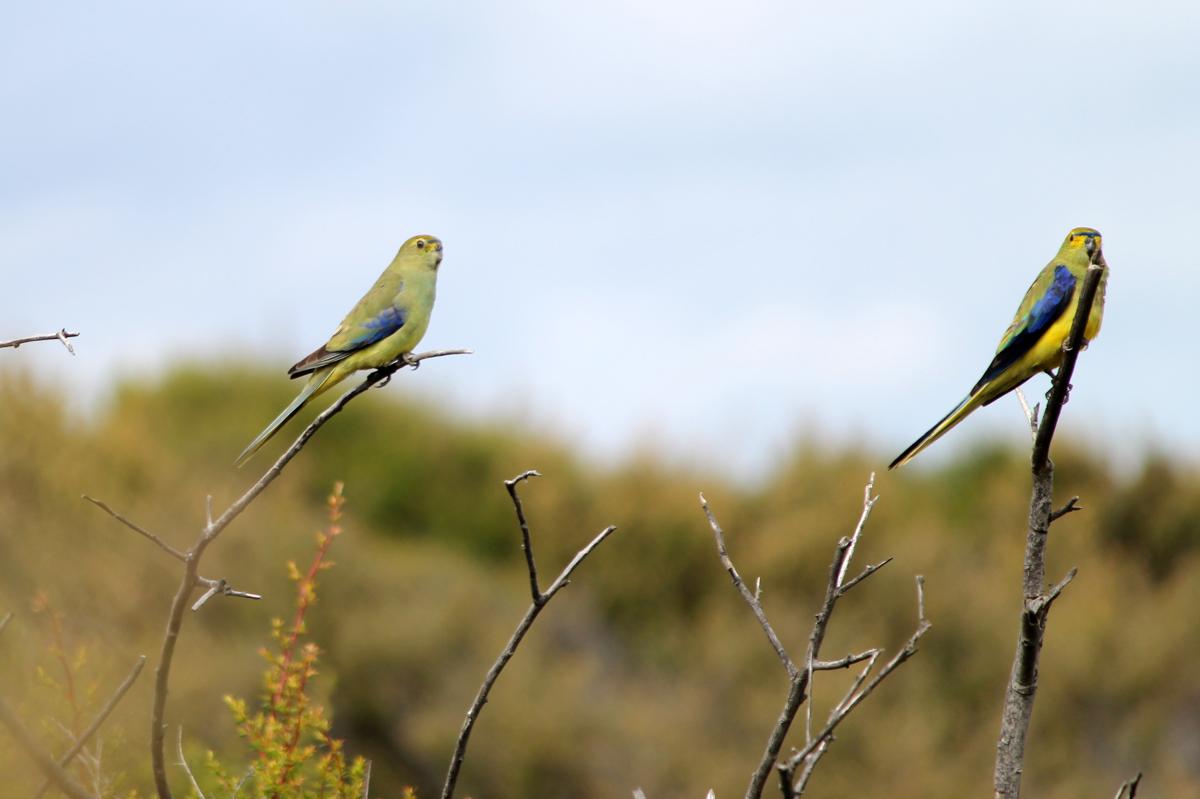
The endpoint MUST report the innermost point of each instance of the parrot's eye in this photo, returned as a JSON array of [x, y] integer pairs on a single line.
[[420, 244]]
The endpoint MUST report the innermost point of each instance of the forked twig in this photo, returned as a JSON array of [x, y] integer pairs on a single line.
[[539, 600], [800, 679], [62, 335]]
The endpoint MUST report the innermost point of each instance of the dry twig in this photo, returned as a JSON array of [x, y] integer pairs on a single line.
[[853, 697], [184, 764], [62, 335], [539, 600], [1129, 788], [1031, 414], [801, 679], [191, 578], [1022, 683]]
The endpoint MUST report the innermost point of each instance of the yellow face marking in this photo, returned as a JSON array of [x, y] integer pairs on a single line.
[[1080, 236]]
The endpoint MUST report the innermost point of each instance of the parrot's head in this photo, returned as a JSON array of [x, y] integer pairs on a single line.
[[426, 249], [1084, 238]]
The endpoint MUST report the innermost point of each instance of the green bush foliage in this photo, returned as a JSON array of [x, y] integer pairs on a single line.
[[648, 670], [295, 756]]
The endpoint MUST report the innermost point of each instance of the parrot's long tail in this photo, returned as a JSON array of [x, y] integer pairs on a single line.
[[314, 386], [941, 428]]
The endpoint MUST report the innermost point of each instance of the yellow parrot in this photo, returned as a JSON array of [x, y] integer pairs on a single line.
[[385, 324], [1033, 342]]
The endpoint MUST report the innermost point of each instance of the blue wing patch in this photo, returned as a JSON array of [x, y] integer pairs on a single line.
[[378, 327], [1044, 313]]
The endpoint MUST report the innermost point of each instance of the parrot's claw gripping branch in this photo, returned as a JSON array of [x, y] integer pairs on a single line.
[[191, 579], [795, 772]]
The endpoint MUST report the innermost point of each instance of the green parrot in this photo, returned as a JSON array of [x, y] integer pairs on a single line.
[[384, 325], [1033, 342]]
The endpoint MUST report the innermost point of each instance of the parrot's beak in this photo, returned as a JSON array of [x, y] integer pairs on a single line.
[[1090, 246]]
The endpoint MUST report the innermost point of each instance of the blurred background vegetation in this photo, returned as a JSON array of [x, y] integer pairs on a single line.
[[648, 670]]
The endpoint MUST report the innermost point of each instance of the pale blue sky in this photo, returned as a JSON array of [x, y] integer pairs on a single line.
[[698, 225]]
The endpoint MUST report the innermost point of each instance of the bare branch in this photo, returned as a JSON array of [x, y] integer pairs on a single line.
[[62, 335], [163, 545], [183, 762], [538, 602], [191, 578], [1071, 506], [4, 622], [1042, 604], [817, 636], [94, 727], [751, 598], [1022, 682], [846, 662], [857, 694], [45, 762], [526, 543], [868, 503], [810, 765], [1031, 414], [801, 679], [221, 587], [864, 574], [1128, 789]]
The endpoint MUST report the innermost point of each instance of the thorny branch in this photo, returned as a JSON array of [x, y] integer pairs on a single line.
[[801, 679], [539, 600], [1022, 683], [212, 528], [62, 335]]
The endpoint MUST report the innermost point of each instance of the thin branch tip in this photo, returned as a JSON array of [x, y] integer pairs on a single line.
[[538, 602], [1071, 507], [525, 475], [61, 336]]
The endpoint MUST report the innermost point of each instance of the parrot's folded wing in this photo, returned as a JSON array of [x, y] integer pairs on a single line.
[[350, 337], [1028, 330]]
